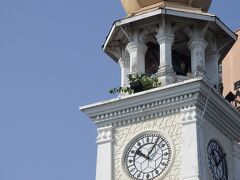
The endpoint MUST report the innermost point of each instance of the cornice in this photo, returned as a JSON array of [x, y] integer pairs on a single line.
[[219, 113], [165, 101], [150, 104]]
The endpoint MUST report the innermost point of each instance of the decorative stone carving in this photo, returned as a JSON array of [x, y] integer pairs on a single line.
[[104, 135], [165, 38], [189, 115], [124, 62]]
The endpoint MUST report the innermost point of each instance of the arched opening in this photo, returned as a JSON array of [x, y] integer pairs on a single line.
[[181, 55], [152, 59]]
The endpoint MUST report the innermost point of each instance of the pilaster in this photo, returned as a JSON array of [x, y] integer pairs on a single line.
[[197, 47], [137, 51], [190, 151], [165, 73], [125, 70], [104, 153]]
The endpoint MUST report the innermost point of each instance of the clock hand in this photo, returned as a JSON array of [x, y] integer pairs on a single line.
[[153, 146], [223, 157], [214, 156], [138, 152]]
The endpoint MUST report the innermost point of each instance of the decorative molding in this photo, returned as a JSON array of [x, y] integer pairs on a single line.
[[197, 43], [104, 135], [215, 56], [168, 100], [136, 46], [166, 70], [167, 38], [220, 118], [189, 115], [124, 62], [147, 111]]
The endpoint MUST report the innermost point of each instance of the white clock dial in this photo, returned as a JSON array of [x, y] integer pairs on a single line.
[[147, 157]]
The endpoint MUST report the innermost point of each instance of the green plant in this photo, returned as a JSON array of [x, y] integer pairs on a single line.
[[146, 81], [121, 90], [138, 82]]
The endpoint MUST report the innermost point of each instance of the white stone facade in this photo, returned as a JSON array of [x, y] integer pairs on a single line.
[[104, 153], [177, 112]]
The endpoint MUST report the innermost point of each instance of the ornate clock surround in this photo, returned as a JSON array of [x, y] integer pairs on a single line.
[[147, 131]]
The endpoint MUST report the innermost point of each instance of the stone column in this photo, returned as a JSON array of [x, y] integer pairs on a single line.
[[137, 51], [190, 151], [125, 70], [104, 154], [197, 47], [166, 73], [236, 160], [212, 68]]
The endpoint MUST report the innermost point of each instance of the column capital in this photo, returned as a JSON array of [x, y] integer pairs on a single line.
[[124, 62], [197, 43], [213, 55], [189, 115], [136, 46], [165, 38], [104, 135]]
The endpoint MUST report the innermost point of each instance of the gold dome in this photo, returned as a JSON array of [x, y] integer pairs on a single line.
[[135, 6]]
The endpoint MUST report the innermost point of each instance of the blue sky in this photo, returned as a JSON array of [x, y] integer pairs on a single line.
[[51, 62]]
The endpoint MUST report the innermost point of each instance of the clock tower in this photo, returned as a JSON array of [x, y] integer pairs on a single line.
[[184, 129]]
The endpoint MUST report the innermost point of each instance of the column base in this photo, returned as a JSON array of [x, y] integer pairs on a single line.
[[166, 75]]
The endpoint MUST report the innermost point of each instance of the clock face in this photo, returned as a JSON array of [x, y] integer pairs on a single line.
[[217, 161], [147, 157]]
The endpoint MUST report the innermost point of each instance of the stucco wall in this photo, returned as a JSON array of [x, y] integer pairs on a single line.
[[231, 67]]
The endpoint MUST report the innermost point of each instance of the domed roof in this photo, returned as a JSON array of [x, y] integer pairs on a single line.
[[135, 6]]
